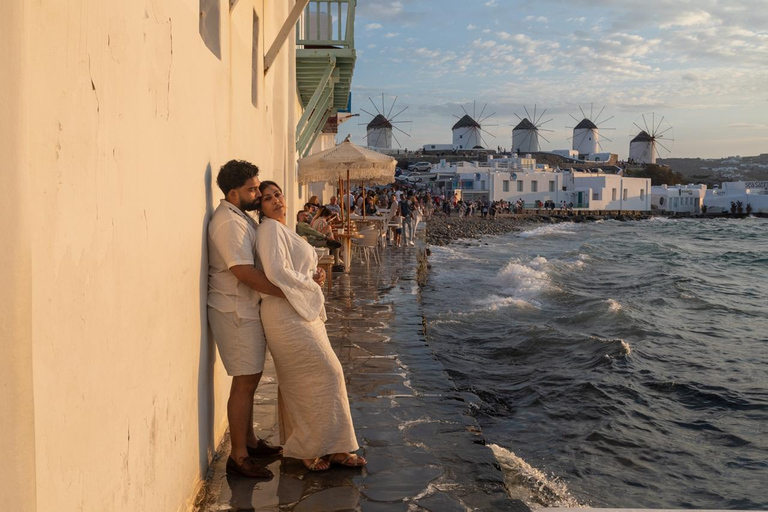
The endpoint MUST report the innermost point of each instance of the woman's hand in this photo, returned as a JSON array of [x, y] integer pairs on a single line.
[[319, 276]]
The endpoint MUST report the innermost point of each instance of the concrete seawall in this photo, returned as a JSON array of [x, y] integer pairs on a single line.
[[425, 451]]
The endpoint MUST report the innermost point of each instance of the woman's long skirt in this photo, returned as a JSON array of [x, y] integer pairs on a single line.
[[313, 408]]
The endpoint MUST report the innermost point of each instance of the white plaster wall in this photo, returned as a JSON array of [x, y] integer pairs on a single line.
[[129, 117], [17, 419], [529, 198], [604, 183]]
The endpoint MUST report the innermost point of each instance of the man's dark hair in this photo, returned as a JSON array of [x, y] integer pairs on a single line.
[[234, 174], [299, 215]]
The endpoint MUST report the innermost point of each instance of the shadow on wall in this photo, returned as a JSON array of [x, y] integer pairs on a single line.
[[210, 18], [205, 394]]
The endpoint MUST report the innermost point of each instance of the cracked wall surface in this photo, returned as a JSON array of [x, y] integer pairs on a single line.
[[123, 116]]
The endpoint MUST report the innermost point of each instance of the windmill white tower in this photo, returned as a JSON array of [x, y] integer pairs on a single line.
[[467, 132], [586, 133], [379, 131], [525, 135], [654, 135]]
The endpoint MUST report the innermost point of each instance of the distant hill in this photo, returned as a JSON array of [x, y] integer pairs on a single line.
[[716, 170]]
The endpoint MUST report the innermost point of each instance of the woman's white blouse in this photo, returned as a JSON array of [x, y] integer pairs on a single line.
[[289, 262]]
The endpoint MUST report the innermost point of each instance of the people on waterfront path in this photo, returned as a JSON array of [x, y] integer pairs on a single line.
[[234, 278], [405, 213], [313, 409]]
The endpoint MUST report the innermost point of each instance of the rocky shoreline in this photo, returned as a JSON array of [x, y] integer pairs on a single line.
[[442, 230]]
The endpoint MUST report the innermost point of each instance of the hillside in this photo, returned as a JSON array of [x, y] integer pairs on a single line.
[[716, 170]]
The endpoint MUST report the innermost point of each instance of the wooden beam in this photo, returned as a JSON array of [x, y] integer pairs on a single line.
[[288, 25]]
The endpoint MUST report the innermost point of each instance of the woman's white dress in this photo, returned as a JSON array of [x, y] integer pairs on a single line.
[[313, 407]]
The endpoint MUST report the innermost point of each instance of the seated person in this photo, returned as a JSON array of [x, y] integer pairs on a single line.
[[323, 220], [370, 207], [311, 210], [316, 238]]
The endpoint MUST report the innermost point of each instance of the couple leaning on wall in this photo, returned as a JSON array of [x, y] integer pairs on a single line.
[[264, 288]]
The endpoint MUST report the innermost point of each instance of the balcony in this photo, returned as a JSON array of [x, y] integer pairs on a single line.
[[325, 62]]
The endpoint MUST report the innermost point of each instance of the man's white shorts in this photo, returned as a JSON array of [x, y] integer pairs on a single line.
[[241, 342]]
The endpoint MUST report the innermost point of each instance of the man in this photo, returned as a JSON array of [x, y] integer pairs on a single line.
[[334, 206], [318, 239], [233, 309]]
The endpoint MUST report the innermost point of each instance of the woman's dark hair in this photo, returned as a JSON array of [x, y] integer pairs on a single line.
[[325, 212], [234, 174], [265, 184]]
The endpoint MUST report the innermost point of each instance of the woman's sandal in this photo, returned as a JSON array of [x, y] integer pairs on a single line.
[[317, 464], [349, 460]]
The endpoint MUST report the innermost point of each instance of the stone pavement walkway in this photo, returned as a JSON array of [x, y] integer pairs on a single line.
[[424, 451]]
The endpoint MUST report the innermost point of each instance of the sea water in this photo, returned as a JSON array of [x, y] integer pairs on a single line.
[[615, 364]]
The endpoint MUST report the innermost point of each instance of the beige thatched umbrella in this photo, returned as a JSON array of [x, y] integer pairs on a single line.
[[347, 160]]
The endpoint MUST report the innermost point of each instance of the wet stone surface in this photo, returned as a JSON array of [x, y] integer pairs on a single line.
[[424, 450]]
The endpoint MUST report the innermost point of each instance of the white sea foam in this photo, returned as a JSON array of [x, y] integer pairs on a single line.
[[613, 305], [494, 302], [524, 279], [552, 229], [524, 482]]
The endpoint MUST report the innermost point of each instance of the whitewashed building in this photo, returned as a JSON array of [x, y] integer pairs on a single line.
[[525, 137], [514, 179], [752, 193], [379, 133], [466, 134], [642, 149], [586, 137], [678, 198], [115, 119]]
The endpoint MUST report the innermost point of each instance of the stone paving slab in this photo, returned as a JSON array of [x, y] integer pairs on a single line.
[[425, 451]]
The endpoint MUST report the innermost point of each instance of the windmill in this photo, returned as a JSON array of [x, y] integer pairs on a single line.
[[525, 135], [654, 133], [467, 130], [586, 133], [379, 130]]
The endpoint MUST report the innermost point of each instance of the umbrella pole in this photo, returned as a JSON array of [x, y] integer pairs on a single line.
[[365, 200], [349, 206]]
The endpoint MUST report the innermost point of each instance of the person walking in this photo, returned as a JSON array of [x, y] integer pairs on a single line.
[[405, 213]]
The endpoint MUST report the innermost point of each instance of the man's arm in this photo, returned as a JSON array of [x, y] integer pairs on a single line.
[[254, 278]]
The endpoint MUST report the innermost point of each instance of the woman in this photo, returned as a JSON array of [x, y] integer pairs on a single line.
[[315, 421], [322, 221]]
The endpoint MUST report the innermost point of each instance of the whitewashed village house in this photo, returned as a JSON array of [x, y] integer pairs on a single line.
[[511, 179], [116, 117], [752, 193], [678, 198]]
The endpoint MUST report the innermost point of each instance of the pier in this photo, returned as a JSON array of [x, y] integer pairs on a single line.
[[424, 450]]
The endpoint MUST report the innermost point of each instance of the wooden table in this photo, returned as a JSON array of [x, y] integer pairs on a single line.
[[346, 243]]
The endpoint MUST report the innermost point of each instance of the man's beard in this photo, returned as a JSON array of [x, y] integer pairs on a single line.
[[249, 207]]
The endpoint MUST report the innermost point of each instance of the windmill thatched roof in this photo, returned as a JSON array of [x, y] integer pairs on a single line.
[[379, 122], [465, 122], [585, 124], [525, 124], [642, 137]]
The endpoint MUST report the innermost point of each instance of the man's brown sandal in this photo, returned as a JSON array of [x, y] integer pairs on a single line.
[[264, 451], [247, 468]]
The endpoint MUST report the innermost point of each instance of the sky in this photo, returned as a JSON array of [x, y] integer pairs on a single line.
[[699, 67]]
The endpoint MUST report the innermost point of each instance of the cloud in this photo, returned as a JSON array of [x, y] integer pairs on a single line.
[[752, 126], [371, 46], [491, 3], [471, 27], [391, 34], [539, 19], [373, 26], [688, 19]]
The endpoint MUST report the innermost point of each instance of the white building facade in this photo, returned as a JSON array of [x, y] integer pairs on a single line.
[[515, 179], [686, 199], [116, 117], [752, 193]]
